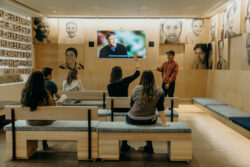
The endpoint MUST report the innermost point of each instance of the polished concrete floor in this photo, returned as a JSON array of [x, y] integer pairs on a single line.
[[214, 145]]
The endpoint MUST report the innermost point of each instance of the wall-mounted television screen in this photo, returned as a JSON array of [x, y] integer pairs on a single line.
[[121, 44]]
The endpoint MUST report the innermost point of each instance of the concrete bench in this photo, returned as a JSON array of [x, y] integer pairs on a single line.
[[230, 116], [178, 136], [108, 114], [85, 98], [72, 124]]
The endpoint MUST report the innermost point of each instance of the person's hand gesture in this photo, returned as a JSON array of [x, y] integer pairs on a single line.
[[165, 125]]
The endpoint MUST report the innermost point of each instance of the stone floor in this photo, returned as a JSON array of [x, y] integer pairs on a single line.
[[214, 145]]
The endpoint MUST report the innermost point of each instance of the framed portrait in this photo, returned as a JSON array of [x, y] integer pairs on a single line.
[[222, 55], [172, 31]]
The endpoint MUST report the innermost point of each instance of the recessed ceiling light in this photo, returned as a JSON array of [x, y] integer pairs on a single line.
[[96, 7], [144, 8]]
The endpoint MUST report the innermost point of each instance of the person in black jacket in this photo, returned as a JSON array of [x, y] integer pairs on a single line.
[[113, 49], [118, 87]]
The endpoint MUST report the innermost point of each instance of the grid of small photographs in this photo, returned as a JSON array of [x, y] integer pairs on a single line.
[[15, 46]]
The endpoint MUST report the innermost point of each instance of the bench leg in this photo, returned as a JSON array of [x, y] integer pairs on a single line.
[[180, 150], [109, 148], [24, 148], [82, 147]]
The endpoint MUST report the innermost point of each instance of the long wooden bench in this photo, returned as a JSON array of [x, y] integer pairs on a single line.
[[76, 124], [85, 98], [113, 103], [4, 103], [234, 118], [178, 136]]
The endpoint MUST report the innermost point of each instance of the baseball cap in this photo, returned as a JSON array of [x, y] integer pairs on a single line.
[[170, 52]]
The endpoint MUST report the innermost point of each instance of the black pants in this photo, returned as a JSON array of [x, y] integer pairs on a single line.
[[170, 91]]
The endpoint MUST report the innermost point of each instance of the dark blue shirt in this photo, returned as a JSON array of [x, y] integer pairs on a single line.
[[51, 86]]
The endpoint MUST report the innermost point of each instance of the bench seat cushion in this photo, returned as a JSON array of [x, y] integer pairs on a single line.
[[243, 122], [106, 113], [3, 103], [21, 125], [228, 112], [207, 101], [175, 127], [83, 103]]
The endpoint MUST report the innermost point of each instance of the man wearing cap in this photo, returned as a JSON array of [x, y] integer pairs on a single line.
[[169, 71]]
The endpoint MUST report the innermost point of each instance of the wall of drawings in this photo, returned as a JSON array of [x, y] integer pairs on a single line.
[[15, 47]]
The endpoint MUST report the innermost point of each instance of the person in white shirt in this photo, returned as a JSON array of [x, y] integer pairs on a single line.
[[72, 83]]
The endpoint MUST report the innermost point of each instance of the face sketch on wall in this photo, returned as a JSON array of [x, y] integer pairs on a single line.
[[229, 22], [71, 60], [248, 48], [171, 30], [197, 26], [201, 56], [42, 29], [247, 18], [213, 28], [222, 62], [71, 29]]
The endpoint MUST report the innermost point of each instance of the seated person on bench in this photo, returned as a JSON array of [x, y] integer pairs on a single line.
[[35, 94], [72, 83], [146, 98], [118, 87]]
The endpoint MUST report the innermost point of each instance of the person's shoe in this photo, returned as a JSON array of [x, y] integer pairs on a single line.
[[148, 149], [45, 145], [125, 148]]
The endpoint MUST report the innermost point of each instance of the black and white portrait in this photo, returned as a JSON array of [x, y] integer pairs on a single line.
[[195, 31], [71, 32], [247, 16], [202, 56], [71, 55], [246, 53], [222, 55], [213, 28], [231, 19], [41, 27], [171, 31]]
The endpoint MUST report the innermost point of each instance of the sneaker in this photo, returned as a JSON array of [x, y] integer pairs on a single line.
[[125, 148], [148, 149]]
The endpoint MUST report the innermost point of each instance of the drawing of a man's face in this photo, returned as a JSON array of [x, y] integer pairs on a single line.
[[248, 48], [197, 26], [172, 30], [43, 28], [200, 55], [220, 49], [71, 29], [213, 28]]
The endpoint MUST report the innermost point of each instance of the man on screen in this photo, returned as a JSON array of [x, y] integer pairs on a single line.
[[113, 49]]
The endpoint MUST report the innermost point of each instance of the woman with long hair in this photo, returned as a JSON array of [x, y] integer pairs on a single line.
[[118, 87], [35, 94], [146, 98], [72, 83]]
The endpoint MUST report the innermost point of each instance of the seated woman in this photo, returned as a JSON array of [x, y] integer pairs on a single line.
[[146, 98], [118, 87], [35, 94], [72, 83]]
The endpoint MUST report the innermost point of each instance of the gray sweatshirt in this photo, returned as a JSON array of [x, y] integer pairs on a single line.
[[145, 111]]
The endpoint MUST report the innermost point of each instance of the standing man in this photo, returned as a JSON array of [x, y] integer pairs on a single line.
[[169, 71]]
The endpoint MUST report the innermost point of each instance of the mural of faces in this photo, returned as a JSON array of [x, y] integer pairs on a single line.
[[231, 19], [202, 56], [247, 16], [42, 29], [197, 26], [71, 29], [213, 28], [71, 60], [170, 31], [222, 62]]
